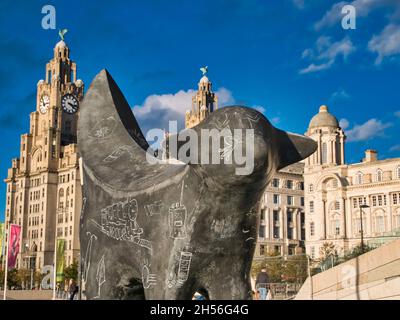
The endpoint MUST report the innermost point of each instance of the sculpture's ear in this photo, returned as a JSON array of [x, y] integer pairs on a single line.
[[293, 148], [109, 138]]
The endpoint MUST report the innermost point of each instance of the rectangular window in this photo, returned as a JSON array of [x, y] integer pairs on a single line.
[[276, 232], [311, 206], [290, 233], [374, 201], [262, 214], [262, 250], [277, 249], [380, 200], [290, 200], [289, 215], [261, 232], [275, 183], [276, 199], [289, 184], [276, 216], [302, 201]]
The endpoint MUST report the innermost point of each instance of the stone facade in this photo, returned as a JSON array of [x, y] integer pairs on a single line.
[[203, 103], [334, 191], [282, 217], [43, 184]]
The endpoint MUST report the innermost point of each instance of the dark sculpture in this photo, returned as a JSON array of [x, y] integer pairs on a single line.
[[163, 231]]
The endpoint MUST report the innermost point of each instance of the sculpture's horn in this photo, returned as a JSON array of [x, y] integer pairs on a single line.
[[293, 148]]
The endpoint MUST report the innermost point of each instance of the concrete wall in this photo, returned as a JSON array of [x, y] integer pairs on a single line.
[[373, 275]]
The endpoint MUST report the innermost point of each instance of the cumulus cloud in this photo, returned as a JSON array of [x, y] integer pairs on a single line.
[[325, 53], [344, 123], [158, 109], [366, 131], [386, 44], [363, 8]]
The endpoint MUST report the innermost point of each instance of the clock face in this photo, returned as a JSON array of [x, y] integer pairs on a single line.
[[69, 103], [44, 103]]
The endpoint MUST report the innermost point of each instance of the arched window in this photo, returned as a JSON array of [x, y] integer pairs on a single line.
[[378, 175], [359, 177], [324, 155], [61, 198]]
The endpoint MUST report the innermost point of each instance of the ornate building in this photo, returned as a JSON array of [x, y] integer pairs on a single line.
[[43, 184], [335, 190], [203, 103], [282, 214]]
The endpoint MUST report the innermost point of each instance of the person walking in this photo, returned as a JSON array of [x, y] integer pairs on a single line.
[[73, 289], [261, 284]]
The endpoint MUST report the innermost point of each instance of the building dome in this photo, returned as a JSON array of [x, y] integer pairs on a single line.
[[204, 79], [61, 44], [79, 83], [323, 119]]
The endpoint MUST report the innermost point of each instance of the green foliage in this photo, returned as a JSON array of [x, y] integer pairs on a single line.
[[293, 268], [71, 272]]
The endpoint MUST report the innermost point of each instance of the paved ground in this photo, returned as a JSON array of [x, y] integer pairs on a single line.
[[28, 294]]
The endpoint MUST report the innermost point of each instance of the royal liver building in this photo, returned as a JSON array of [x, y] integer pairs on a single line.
[[43, 186]]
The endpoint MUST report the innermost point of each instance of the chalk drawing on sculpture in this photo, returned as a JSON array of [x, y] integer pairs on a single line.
[[104, 128], [177, 218]]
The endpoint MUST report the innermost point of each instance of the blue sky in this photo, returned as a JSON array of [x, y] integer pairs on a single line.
[[284, 57]]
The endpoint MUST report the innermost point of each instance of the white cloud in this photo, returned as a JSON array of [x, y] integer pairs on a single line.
[[326, 53], [299, 3], [396, 147], [340, 94], [344, 123], [363, 8], [158, 109], [366, 131], [386, 44]]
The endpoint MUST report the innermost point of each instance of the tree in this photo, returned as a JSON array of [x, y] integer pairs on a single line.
[[71, 272]]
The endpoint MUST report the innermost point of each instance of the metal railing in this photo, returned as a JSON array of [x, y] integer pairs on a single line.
[[279, 291]]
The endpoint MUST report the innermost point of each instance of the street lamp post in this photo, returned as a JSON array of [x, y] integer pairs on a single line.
[[363, 206]]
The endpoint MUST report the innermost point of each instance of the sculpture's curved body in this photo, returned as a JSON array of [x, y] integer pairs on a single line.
[[163, 231]]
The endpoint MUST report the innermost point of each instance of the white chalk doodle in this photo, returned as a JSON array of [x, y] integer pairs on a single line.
[[148, 279], [223, 227], [118, 153], [118, 221], [100, 275], [177, 218], [88, 255], [184, 267], [104, 128], [230, 143], [154, 208], [222, 124], [252, 119]]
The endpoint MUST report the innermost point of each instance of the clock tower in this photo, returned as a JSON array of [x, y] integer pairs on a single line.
[[43, 184]]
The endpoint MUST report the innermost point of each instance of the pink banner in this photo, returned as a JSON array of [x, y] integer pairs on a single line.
[[13, 249]]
